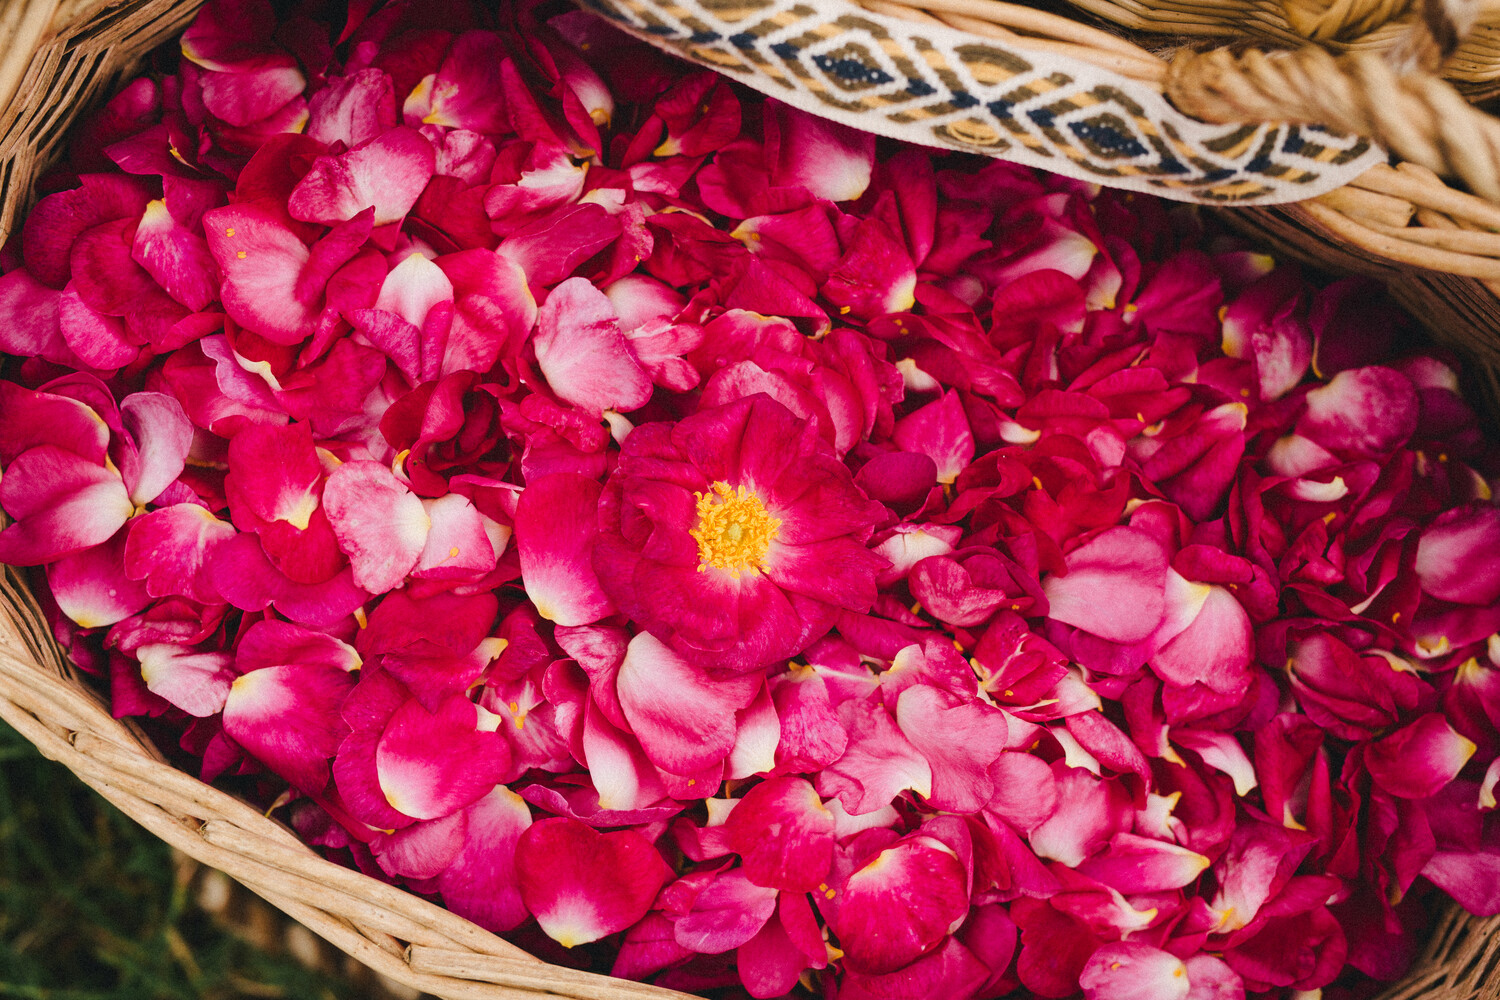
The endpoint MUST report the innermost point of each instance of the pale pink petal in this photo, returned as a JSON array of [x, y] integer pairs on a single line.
[[458, 545], [756, 741], [29, 318], [380, 523], [467, 92], [421, 850], [98, 340], [1129, 971], [413, 287], [811, 736], [261, 260], [1115, 586], [727, 913], [388, 173], [1222, 751], [830, 160], [271, 643], [683, 716], [177, 257], [582, 353], [623, 776], [1215, 650], [1368, 411], [879, 763], [1089, 813], [196, 682], [352, 109], [162, 435], [1135, 864], [1419, 759], [941, 431], [960, 737], [1458, 558], [61, 504], [1025, 790], [1212, 979], [245, 98], [168, 548]]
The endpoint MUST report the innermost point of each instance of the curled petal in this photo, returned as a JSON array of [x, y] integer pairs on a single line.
[[726, 914], [881, 924], [1115, 586], [288, 718], [62, 503], [388, 173], [584, 356], [431, 764], [1419, 759], [582, 885], [683, 716], [784, 835], [196, 682], [557, 527]]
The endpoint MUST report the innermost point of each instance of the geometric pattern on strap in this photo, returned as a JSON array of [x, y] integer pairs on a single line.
[[936, 86]]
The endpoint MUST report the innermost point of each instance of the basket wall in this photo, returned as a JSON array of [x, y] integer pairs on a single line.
[[86, 50]]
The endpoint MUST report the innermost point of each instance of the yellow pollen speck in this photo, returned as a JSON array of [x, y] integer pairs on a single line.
[[844, 310], [1179, 972], [1036, 482], [829, 894], [1245, 393], [733, 532], [822, 886], [453, 552], [515, 706], [916, 607], [360, 616], [229, 231], [1113, 966], [240, 255], [692, 782], [1395, 617], [1443, 457], [1009, 693]]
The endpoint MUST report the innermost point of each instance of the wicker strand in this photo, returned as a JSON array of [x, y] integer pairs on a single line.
[[1418, 117]]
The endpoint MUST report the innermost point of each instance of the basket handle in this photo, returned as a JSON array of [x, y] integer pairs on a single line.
[[1413, 113]]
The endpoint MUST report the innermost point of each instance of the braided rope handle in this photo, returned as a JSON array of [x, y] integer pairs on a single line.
[[1414, 114]]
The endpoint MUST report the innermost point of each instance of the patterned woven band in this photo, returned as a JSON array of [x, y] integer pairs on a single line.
[[937, 86]]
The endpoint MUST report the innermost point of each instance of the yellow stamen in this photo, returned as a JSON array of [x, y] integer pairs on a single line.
[[734, 532]]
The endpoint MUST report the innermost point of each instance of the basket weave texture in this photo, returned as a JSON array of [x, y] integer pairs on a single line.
[[64, 58]]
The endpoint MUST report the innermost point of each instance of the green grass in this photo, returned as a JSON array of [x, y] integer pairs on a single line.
[[92, 909]]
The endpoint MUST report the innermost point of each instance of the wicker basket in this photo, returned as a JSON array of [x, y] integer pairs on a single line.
[[1437, 247]]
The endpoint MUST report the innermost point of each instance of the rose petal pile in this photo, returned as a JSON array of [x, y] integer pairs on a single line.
[[628, 510]]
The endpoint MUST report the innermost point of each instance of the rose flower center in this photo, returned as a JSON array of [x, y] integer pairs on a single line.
[[734, 532]]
